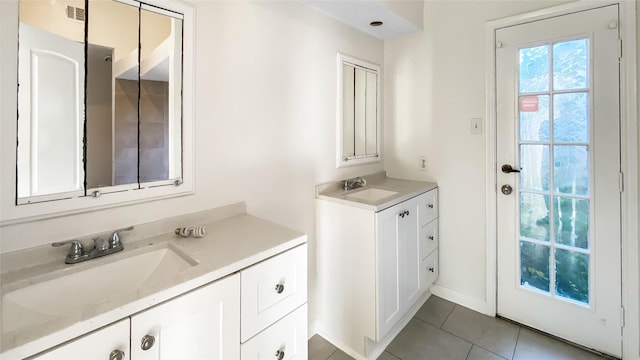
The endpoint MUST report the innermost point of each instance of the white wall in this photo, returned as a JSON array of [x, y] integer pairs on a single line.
[[436, 84], [265, 122]]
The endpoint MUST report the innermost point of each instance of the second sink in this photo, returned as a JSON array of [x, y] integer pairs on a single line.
[[371, 194]]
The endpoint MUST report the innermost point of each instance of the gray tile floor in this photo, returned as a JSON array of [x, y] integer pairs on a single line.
[[442, 330]]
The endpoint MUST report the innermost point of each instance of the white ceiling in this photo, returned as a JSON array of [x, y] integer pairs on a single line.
[[360, 13]]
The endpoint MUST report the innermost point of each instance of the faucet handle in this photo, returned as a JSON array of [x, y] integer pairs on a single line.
[[114, 240], [75, 251]]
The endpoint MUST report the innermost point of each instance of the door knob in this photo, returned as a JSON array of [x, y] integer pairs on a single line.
[[506, 189], [507, 169], [116, 355]]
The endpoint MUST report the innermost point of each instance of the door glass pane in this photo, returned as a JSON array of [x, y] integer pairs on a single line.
[[570, 117], [570, 59], [534, 69], [534, 216], [534, 266], [571, 218], [534, 117], [572, 275], [571, 169], [534, 164]]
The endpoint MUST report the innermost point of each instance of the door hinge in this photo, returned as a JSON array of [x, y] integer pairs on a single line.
[[498, 44], [622, 316], [621, 181]]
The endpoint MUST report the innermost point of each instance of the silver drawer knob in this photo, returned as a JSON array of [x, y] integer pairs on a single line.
[[147, 342], [116, 355], [280, 354], [279, 290]]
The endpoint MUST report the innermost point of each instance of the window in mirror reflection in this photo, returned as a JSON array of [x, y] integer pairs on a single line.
[[359, 112], [121, 131]]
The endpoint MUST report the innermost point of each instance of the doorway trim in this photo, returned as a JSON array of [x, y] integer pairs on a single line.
[[629, 160]]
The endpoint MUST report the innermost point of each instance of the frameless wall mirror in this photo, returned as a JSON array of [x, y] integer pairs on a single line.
[[104, 103], [358, 112], [100, 107]]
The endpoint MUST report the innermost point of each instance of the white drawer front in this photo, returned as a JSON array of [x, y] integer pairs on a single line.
[[272, 289], [428, 238], [429, 268], [285, 340], [428, 207]]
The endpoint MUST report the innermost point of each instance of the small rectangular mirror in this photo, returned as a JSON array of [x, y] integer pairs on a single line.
[[358, 118]]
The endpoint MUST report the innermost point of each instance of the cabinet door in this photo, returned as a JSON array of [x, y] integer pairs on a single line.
[[389, 263], [99, 344], [410, 254], [202, 324]]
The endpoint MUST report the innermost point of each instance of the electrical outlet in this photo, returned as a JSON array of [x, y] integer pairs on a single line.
[[422, 163]]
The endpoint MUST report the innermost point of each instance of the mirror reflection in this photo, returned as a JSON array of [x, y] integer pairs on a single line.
[[359, 138], [130, 136]]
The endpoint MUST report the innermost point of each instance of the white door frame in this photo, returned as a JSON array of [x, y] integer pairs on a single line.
[[630, 157]]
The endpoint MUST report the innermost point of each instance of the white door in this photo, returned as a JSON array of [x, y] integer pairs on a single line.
[[202, 324], [51, 113], [559, 221]]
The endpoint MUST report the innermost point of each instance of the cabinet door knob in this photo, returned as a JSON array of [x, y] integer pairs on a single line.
[[279, 288], [280, 354], [147, 342], [407, 212], [431, 238], [432, 269], [430, 206], [116, 355]]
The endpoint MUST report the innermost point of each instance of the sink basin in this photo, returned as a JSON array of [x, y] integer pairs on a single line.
[[371, 194], [65, 294]]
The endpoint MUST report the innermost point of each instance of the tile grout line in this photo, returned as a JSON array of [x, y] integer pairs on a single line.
[[334, 351], [517, 340], [448, 315]]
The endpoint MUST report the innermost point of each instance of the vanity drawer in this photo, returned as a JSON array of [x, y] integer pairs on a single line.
[[286, 338], [272, 289], [428, 239], [429, 269], [428, 207]]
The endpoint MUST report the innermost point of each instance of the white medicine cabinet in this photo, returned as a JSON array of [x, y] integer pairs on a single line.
[[104, 105], [358, 112]]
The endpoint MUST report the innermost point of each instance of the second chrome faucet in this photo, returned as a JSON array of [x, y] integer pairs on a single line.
[[101, 247]]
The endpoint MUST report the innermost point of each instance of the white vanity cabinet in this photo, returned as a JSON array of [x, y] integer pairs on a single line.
[[373, 269], [110, 342], [258, 312]]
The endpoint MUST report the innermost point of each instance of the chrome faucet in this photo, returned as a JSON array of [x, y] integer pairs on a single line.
[[354, 183], [101, 247]]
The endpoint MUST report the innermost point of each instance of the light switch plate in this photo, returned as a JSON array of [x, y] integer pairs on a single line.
[[476, 125]]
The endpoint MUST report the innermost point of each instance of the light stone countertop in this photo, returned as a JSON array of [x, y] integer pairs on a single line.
[[405, 189], [234, 241]]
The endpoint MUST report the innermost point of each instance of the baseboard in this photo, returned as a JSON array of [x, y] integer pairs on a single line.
[[479, 305]]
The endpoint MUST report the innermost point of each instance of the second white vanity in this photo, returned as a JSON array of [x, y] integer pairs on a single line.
[[377, 258]]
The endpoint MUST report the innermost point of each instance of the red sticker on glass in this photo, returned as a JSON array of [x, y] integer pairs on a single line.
[[528, 104]]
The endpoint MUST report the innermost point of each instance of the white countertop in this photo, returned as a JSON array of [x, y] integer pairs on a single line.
[[404, 189], [230, 245]]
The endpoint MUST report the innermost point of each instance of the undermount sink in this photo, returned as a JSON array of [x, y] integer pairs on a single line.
[[62, 295], [371, 194]]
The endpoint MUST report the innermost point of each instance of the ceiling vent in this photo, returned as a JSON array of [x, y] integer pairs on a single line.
[[75, 13]]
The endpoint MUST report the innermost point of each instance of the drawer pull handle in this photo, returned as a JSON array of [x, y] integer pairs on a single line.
[[404, 213], [432, 269], [116, 355], [432, 238], [280, 354], [147, 342], [279, 290], [430, 206]]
